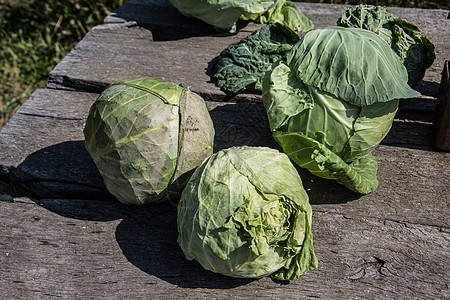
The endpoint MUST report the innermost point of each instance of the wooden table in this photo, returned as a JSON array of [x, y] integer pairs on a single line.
[[63, 235]]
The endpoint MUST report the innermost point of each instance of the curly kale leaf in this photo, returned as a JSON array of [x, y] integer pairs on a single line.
[[241, 66]]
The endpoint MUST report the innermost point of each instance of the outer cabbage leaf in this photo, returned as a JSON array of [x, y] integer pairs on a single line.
[[244, 213], [285, 13], [324, 134], [145, 136], [223, 14], [355, 65], [369, 129], [415, 51], [241, 66], [359, 176]]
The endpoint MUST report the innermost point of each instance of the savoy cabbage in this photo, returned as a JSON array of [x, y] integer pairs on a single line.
[[415, 51]]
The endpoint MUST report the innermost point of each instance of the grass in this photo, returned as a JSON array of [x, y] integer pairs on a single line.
[[36, 34]]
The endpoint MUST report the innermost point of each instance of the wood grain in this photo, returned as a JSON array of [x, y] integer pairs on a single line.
[[97, 249]]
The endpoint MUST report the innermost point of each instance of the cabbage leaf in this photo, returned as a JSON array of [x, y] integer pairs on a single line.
[[223, 14], [241, 66], [353, 64]]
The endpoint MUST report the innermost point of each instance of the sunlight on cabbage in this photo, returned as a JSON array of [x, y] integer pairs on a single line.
[[244, 213], [332, 100], [146, 137], [223, 14]]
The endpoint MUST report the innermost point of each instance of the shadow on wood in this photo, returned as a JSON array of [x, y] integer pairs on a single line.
[[64, 170], [165, 21], [147, 237], [87, 210], [240, 124], [427, 88]]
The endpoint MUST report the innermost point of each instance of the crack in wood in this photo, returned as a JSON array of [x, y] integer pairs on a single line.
[[47, 243], [371, 267], [50, 117], [441, 228]]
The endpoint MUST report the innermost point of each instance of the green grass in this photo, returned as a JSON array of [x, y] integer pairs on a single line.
[[36, 34], [34, 37]]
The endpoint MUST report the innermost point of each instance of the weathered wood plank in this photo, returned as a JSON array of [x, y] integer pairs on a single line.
[[48, 117], [43, 156], [37, 152], [115, 50], [92, 249]]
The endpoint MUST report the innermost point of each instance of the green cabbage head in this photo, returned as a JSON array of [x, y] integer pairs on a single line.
[[244, 213], [223, 14], [146, 137], [332, 100]]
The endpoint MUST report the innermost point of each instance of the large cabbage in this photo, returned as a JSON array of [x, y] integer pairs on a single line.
[[146, 136], [332, 100], [415, 51], [223, 14], [244, 213]]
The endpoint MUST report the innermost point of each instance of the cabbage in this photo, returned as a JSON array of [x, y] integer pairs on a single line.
[[241, 66], [415, 51], [223, 14], [146, 136], [244, 213], [332, 100]]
